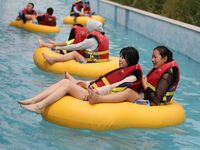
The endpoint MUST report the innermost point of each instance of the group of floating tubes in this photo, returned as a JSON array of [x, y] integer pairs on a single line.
[[54, 29], [75, 113]]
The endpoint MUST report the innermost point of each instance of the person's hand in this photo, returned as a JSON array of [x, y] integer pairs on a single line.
[[144, 82]]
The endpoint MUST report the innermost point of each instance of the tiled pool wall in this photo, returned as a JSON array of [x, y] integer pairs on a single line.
[[176, 35]]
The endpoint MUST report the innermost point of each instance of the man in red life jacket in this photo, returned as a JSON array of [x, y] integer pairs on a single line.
[[27, 13], [47, 18]]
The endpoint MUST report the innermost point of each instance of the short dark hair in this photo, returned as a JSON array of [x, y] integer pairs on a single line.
[[50, 11], [130, 54], [32, 4], [164, 51]]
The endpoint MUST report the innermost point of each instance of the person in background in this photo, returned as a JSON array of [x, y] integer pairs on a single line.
[[87, 8], [47, 18], [28, 13], [76, 9], [78, 34], [95, 48]]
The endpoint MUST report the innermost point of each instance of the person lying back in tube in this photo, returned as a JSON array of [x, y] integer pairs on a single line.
[[158, 86], [95, 48], [129, 75]]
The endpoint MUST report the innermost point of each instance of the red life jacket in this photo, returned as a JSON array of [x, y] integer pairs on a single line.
[[78, 34], [87, 10], [77, 7], [24, 11], [102, 52], [81, 33], [154, 76], [118, 75], [48, 20]]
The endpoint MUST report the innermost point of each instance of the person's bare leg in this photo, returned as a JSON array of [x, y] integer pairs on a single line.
[[126, 95], [63, 58], [43, 94], [67, 88], [43, 44]]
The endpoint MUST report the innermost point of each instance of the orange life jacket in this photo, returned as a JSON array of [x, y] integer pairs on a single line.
[[118, 75], [154, 76]]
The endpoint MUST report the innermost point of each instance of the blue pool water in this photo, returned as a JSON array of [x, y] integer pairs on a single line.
[[20, 79]]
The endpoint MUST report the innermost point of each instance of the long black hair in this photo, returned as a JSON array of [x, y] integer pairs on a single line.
[[130, 54], [164, 51]]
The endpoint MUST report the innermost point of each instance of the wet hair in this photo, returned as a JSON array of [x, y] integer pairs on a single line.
[[164, 51], [32, 5], [50, 11], [130, 54]]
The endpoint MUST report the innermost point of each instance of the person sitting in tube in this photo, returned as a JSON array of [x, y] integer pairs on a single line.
[[87, 8], [95, 48], [77, 34], [77, 9], [47, 18], [129, 75], [27, 14], [158, 86]]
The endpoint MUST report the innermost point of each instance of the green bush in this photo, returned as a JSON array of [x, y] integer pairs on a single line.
[[184, 10]]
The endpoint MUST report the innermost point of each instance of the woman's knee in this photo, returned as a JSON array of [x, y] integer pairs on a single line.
[[132, 95], [65, 81]]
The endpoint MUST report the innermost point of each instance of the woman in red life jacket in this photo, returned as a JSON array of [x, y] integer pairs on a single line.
[[78, 34], [158, 87], [47, 18], [129, 72], [95, 48], [87, 8], [27, 13]]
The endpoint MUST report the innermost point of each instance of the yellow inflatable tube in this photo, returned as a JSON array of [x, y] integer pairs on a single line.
[[82, 19], [89, 70], [74, 113], [35, 27]]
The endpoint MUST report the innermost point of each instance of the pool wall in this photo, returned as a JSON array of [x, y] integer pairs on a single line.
[[179, 36]]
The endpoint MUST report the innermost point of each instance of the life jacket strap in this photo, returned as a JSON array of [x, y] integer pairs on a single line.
[[118, 89], [97, 53], [69, 42]]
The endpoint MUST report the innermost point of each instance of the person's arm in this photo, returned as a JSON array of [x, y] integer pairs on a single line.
[[76, 11], [106, 89], [165, 82], [88, 44]]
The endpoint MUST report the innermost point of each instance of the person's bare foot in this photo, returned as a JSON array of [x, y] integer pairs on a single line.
[[32, 108], [48, 59], [41, 43], [68, 76], [93, 97], [26, 102]]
